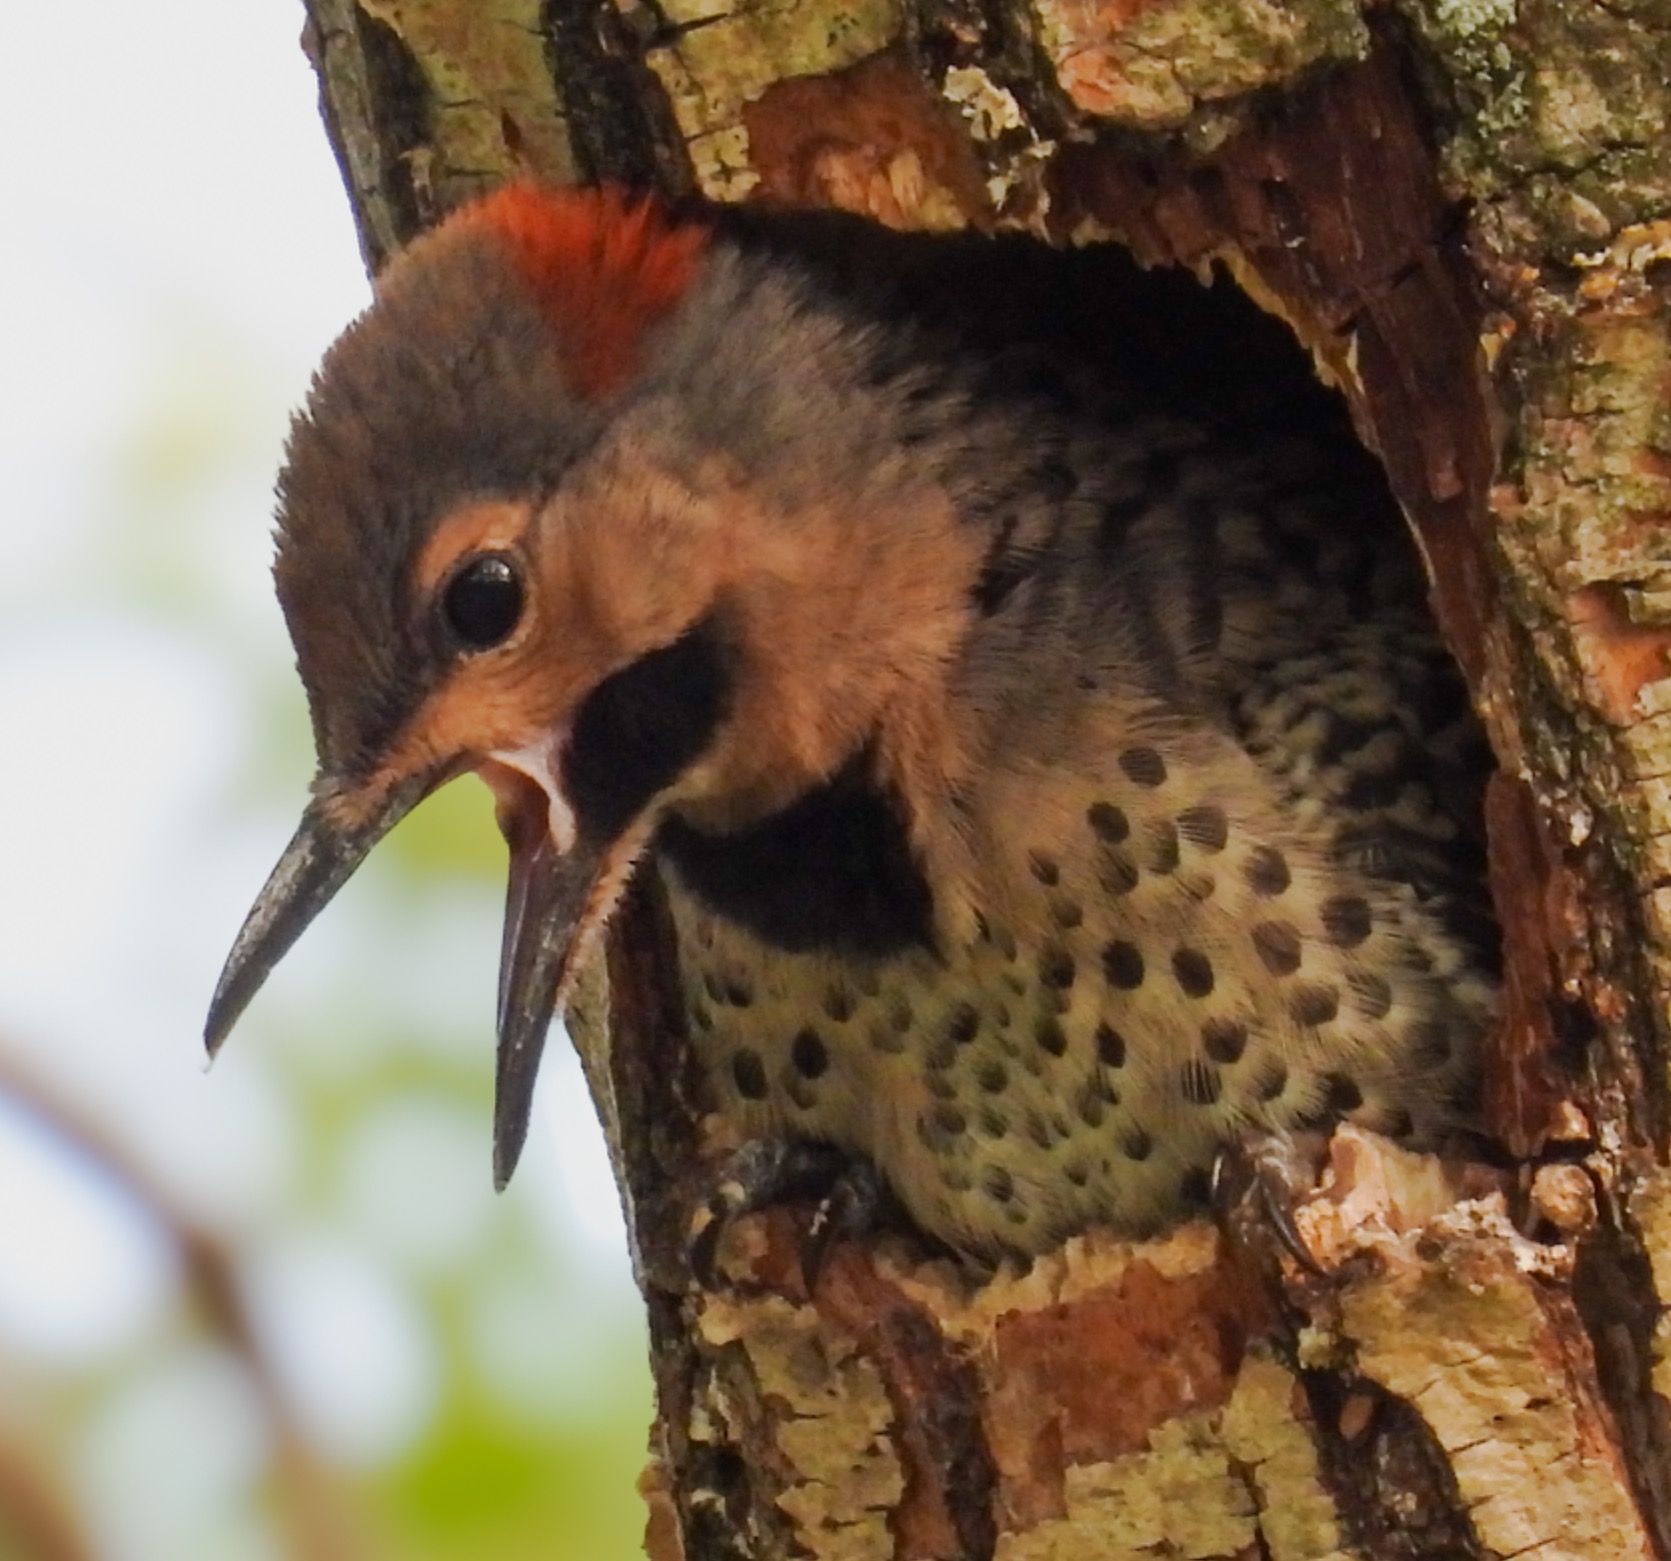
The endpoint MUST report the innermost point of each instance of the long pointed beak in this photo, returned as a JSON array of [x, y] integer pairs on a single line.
[[319, 860], [545, 906], [556, 902]]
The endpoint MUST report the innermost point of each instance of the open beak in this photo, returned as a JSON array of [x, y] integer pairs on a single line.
[[319, 860], [557, 901]]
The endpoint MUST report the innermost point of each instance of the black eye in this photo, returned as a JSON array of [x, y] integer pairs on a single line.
[[483, 601]]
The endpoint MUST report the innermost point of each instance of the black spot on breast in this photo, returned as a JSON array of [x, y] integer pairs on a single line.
[[1119, 874], [1161, 855], [1144, 766], [839, 1004], [1267, 872], [950, 1120], [1342, 1094], [1137, 1144], [997, 1184], [1109, 822], [1224, 1039], [1056, 967], [640, 728], [748, 1073], [940, 1055], [1066, 913], [963, 1024], [1111, 1047], [809, 1054], [993, 1077], [1313, 1002], [1278, 946], [1122, 963], [1051, 1037], [834, 871], [1044, 869], [1193, 971], [1205, 826], [1346, 920], [1273, 1080]]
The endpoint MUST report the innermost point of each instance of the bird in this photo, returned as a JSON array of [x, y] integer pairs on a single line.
[[1053, 790]]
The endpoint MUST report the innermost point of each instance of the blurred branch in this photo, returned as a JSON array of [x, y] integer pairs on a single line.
[[34, 1513], [309, 1509]]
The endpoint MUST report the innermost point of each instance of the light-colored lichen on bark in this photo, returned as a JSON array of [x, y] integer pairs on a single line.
[[1563, 109], [830, 1422], [1649, 1208], [711, 70], [1180, 1493], [1472, 1334], [720, 161], [1592, 501], [1272, 1442], [1564, 106], [494, 110], [1014, 155], [1583, 526], [1154, 67]]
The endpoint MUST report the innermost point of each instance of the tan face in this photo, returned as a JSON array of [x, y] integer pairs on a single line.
[[625, 560], [592, 601], [836, 627]]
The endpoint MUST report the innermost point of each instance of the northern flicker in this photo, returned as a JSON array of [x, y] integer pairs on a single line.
[[1050, 790]]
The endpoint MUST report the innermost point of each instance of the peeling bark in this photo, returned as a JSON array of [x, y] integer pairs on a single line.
[[1462, 210]]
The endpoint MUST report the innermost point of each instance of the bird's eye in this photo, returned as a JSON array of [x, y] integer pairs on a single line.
[[482, 603]]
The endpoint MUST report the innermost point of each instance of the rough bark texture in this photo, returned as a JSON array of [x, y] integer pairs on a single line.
[[1462, 208]]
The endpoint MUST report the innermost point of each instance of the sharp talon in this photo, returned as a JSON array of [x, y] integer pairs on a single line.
[[1279, 1214], [851, 1208], [1253, 1190], [849, 1196]]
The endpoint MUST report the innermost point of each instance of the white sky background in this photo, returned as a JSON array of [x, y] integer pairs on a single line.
[[175, 252]]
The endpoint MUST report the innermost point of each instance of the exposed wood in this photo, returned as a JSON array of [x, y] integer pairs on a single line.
[[1463, 211]]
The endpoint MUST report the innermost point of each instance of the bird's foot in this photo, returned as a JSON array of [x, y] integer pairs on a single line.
[[1259, 1180], [850, 1199]]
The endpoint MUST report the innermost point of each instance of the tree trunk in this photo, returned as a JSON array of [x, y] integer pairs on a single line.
[[1463, 212]]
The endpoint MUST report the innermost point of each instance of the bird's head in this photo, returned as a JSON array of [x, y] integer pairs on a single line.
[[598, 508]]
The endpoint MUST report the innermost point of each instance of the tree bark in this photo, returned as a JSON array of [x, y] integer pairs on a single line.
[[1463, 212]]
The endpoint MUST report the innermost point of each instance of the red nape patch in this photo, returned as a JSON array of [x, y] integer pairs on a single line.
[[603, 266]]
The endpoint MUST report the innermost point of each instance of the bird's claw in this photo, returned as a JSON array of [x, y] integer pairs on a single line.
[[1257, 1183], [850, 1198]]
